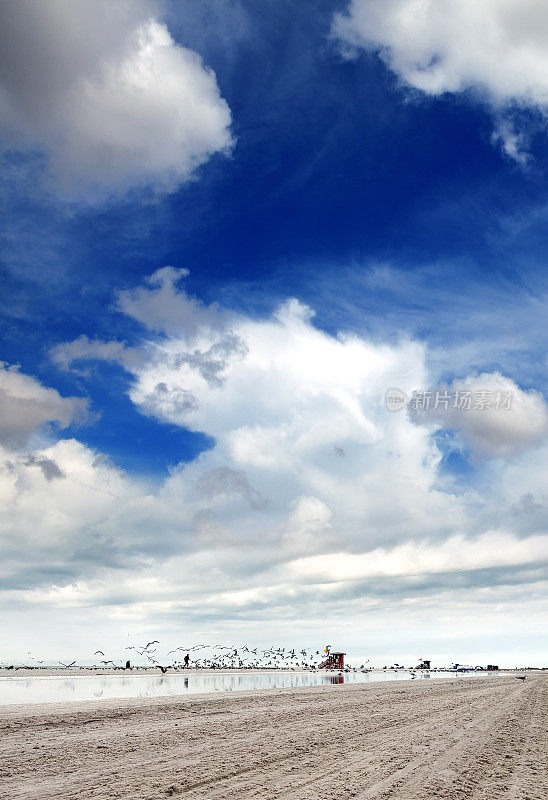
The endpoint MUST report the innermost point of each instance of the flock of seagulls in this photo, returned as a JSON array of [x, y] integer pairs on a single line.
[[207, 656], [220, 656], [216, 656]]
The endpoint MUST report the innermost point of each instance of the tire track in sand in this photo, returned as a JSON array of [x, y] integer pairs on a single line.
[[419, 771], [356, 770]]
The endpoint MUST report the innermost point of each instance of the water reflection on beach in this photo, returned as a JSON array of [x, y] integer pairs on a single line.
[[52, 689]]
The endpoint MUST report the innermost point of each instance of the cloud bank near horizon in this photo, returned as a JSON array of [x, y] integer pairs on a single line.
[[313, 495]]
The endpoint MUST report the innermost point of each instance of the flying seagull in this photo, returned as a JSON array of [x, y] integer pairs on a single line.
[[67, 665]]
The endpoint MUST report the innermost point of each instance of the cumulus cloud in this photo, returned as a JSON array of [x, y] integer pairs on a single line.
[[494, 417], [84, 349], [161, 308], [104, 91], [497, 48], [66, 507], [312, 494], [26, 405]]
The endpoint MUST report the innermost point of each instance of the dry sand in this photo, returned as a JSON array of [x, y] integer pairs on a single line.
[[479, 739]]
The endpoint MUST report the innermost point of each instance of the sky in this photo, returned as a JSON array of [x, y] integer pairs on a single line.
[[273, 327]]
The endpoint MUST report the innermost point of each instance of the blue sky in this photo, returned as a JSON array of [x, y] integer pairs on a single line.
[[409, 216]]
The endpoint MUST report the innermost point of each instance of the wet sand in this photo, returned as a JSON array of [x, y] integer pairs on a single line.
[[455, 739]]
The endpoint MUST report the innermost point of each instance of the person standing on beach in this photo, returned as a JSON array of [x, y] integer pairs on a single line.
[[186, 659]]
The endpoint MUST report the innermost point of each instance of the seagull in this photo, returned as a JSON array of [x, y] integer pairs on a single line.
[[67, 665], [521, 677], [141, 650], [98, 653]]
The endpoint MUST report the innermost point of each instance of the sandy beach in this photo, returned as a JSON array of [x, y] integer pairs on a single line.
[[481, 739]]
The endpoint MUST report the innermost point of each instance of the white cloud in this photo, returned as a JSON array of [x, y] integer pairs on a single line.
[[502, 419], [161, 308], [106, 93], [85, 349], [497, 48], [313, 495], [492, 549], [308, 527], [513, 142], [26, 405]]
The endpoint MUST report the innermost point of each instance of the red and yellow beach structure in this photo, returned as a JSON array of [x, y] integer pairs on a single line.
[[333, 661]]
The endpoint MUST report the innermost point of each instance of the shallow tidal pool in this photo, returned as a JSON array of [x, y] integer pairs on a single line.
[[59, 688]]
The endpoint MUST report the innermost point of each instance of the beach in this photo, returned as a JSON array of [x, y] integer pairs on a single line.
[[465, 738]]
